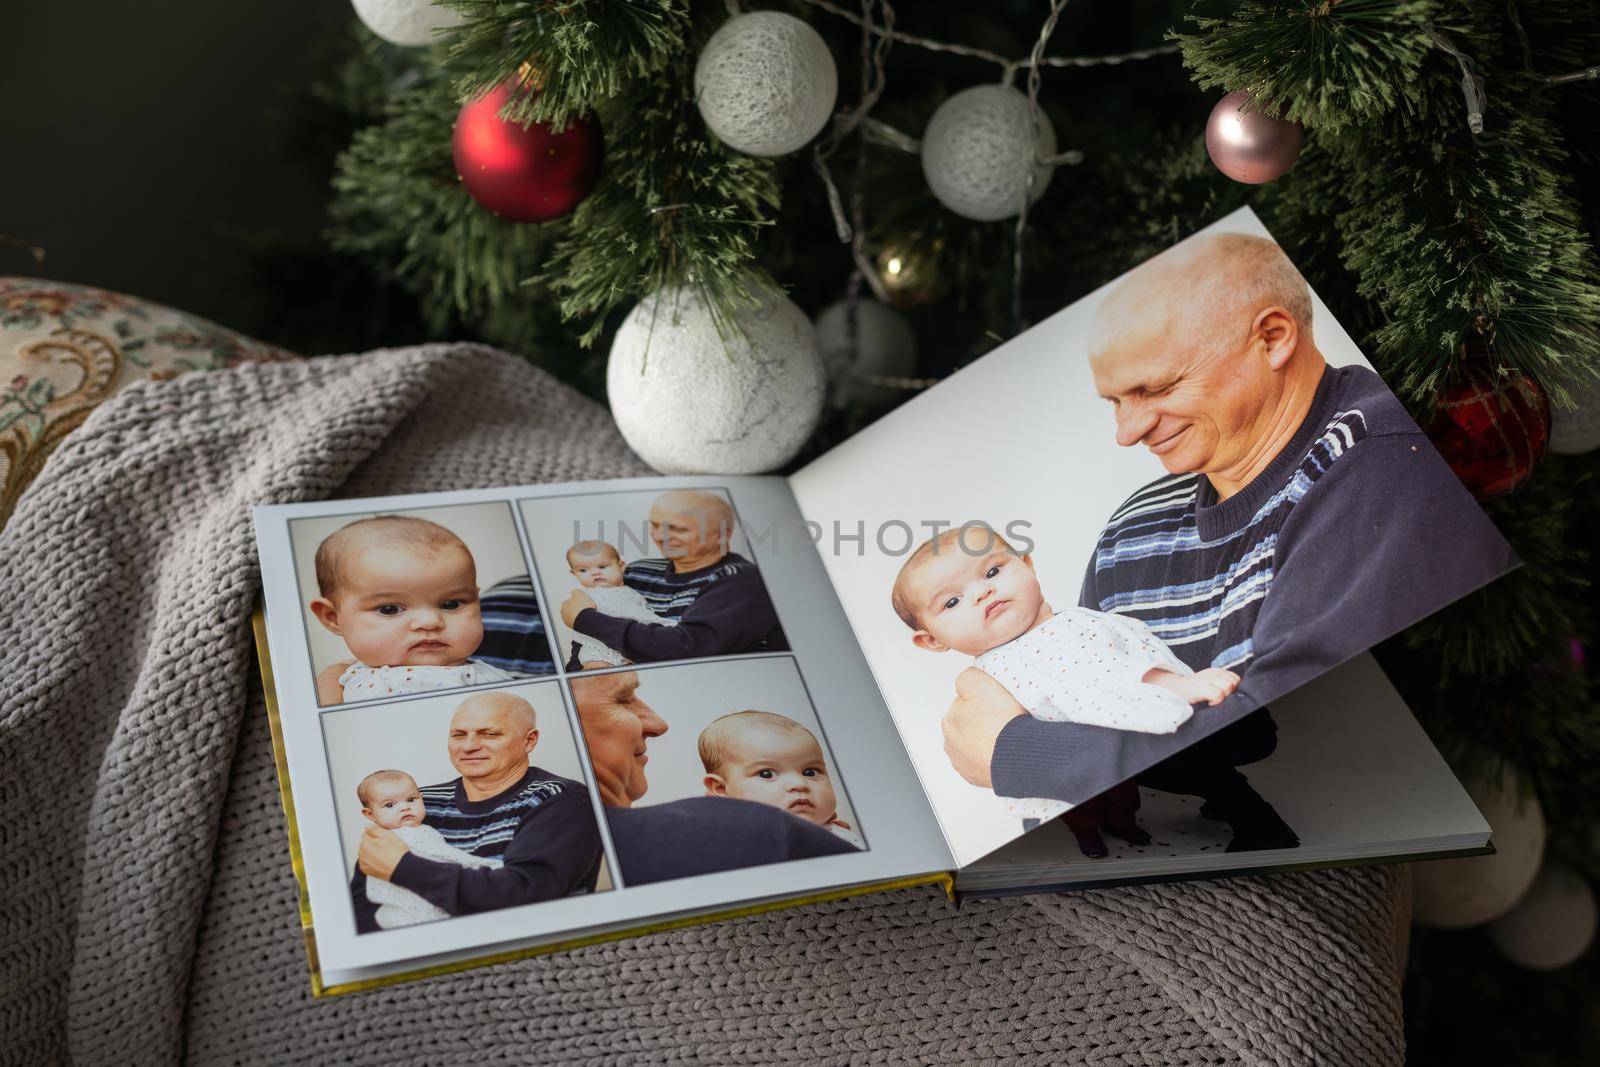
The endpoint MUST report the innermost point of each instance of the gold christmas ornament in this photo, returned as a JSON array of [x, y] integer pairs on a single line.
[[908, 268]]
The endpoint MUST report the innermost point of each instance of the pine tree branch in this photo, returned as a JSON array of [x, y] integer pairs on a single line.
[[1325, 63], [580, 52], [673, 208], [399, 206]]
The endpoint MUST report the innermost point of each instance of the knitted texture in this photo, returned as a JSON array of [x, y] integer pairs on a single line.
[[148, 908]]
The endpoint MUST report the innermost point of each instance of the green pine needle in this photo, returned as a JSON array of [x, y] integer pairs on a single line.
[[1326, 63]]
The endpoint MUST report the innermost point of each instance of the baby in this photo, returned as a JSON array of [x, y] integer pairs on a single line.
[[771, 759], [598, 568], [403, 593], [977, 596], [391, 800]]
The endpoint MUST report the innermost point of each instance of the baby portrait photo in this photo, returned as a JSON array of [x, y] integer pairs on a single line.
[[712, 767], [1207, 498], [647, 577], [462, 803], [416, 601]]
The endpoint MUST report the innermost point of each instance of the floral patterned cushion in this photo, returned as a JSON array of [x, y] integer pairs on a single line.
[[64, 349]]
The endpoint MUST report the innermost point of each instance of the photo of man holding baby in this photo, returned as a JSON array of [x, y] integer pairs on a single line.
[[701, 596], [398, 603], [1303, 518], [711, 767], [503, 833]]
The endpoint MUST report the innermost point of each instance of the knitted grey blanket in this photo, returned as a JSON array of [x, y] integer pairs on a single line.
[[148, 908]]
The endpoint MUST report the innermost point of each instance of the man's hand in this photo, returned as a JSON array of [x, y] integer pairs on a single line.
[[380, 852], [576, 602], [329, 691], [972, 725]]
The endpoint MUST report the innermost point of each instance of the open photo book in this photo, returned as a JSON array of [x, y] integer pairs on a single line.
[[1093, 610]]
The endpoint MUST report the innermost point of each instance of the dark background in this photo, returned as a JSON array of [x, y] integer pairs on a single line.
[[144, 143]]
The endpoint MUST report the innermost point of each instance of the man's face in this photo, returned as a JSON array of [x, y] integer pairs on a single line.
[[782, 768], [1196, 411], [972, 603], [407, 606], [487, 740], [617, 725], [393, 804], [681, 528]]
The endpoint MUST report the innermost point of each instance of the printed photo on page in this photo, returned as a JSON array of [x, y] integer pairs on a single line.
[[483, 799], [649, 577], [403, 602], [1087, 563]]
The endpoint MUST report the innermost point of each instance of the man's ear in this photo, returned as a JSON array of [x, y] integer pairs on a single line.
[[1279, 333], [533, 740], [924, 640], [327, 614], [715, 785]]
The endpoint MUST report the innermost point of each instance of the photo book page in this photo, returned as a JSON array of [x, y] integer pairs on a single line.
[[509, 715], [1101, 550]]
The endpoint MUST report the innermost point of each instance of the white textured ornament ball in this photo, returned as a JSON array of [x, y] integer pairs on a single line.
[[1551, 926], [1452, 894], [766, 83], [883, 346], [1577, 430], [691, 401], [407, 22], [979, 149]]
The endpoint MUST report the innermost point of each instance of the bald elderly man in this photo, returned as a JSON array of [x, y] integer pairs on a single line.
[[1303, 518], [552, 851], [716, 596], [684, 837]]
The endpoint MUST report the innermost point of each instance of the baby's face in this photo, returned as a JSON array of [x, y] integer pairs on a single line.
[[597, 572], [972, 603], [395, 804], [782, 769], [408, 606]]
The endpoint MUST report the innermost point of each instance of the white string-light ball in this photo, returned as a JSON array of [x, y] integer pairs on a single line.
[[1452, 894], [766, 83], [692, 400], [883, 347], [1577, 430], [979, 149], [407, 22], [1551, 926]]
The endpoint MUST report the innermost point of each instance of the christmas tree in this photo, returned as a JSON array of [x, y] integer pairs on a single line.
[[1443, 202]]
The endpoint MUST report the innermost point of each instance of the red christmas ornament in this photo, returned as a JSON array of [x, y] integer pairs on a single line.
[[524, 174], [1492, 429]]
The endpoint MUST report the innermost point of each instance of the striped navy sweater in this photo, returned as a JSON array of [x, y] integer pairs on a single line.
[[513, 629], [542, 828], [721, 609], [1355, 530]]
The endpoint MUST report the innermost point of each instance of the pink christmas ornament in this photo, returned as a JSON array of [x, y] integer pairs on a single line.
[[1249, 145]]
